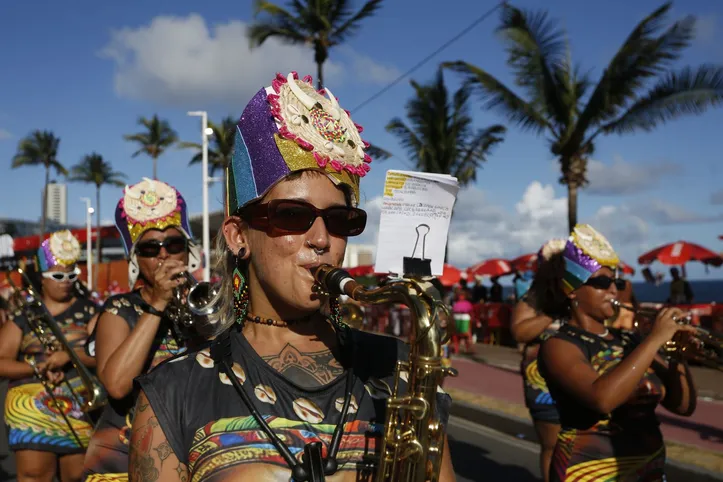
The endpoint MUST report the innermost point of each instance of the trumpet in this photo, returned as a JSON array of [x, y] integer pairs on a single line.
[[52, 338], [707, 347], [192, 300]]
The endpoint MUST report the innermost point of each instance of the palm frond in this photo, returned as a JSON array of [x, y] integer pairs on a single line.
[[641, 57], [258, 33], [351, 26], [689, 91], [495, 95], [377, 153], [535, 48]]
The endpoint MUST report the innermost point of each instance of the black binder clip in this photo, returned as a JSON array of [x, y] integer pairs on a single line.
[[418, 266]]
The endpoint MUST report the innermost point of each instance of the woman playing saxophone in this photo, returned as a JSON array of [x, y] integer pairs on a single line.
[[47, 428], [285, 390]]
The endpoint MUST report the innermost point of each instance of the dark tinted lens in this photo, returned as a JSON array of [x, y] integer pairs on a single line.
[[175, 245], [58, 276], [72, 276], [291, 216], [620, 284], [600, 282], [344, 221], [148, 249]]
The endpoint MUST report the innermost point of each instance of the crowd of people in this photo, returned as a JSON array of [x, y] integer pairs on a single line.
[[248, 392]]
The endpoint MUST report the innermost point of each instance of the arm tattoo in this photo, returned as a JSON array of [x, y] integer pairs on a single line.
[[144, 467], [306, 369]]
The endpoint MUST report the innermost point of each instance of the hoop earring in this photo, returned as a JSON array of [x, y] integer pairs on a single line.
[[240, 289]]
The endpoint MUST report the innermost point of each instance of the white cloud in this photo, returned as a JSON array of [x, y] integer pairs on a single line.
[[4, 134], [662, 212], [481, 229], [622, 177], [182, 61]]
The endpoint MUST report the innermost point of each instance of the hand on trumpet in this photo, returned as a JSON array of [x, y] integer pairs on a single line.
[[667, 325], [165, 279], [57, 360]]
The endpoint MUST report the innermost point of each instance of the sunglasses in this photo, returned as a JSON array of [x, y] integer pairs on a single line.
[[152, 247], [298, 217], [60, 277], [604, 282]]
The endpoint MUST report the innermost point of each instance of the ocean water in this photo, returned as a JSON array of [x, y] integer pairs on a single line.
[[704, 291]]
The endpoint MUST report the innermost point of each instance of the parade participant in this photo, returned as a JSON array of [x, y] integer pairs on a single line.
[[300, 374], [606, 382], [132, 333], [535, 318], [47, 429]]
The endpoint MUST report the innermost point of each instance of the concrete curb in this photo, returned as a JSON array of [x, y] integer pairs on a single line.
[[521, 428]]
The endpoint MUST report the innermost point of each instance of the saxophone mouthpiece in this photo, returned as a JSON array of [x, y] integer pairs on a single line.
[[332, 281]]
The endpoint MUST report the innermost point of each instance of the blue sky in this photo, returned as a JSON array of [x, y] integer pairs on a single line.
[[89, 72]]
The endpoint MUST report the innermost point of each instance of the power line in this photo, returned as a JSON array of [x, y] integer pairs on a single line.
[[426, 59]]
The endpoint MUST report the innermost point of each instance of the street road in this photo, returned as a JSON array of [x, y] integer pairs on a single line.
[[480, 454]]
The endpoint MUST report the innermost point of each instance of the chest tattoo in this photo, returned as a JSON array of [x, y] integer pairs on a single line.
[[306, 369]]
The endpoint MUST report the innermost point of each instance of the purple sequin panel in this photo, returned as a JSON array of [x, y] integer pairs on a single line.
[[577, 255], [258, 127], [50, 260]]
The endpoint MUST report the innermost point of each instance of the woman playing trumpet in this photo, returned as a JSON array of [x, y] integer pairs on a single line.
[[133, 334], [47, 428], [300, 374], [607, 383]]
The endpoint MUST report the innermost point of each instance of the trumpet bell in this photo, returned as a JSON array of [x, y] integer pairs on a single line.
[[200, 299]]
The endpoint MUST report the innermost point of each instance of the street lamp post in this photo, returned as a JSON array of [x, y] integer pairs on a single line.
[[204, 167], [89, 242]]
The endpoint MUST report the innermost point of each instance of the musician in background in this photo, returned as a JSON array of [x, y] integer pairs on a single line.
[[132, 333], [606, 382], [536, 317], [46, 427], [303, 374]]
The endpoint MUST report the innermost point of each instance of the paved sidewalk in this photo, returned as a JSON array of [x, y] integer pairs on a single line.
[[695, 440], [708, 381]]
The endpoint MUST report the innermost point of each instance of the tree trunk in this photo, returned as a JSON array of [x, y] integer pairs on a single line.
[[319, 75], [571, 206], [155, 168], [98, 255], [44, 219]]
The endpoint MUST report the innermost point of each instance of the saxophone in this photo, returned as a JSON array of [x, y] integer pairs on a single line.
[[413, 440]]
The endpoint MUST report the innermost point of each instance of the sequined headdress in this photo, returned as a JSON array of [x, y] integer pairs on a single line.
[[549, 249], [586, 252], [288, 127], [60, 249], [152, 204]]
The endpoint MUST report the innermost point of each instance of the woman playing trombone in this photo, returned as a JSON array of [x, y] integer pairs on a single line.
[[133, 333], [47, 428], [607, 382]]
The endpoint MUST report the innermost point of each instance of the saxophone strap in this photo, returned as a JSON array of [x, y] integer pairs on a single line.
[[314, 467]]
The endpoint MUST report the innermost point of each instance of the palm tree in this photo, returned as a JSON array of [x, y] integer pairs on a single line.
[[92, 169], [441, 138], [40, 148], [220, 150], [625, 99], [321, 23], [155, 140]]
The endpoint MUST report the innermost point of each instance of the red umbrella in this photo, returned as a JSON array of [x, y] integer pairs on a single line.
[[626, 268], [681, 252], [358, 271], [450, 276], [491, 267], [526, 262]]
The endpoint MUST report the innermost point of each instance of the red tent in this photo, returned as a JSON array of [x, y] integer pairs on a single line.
[[626, 268], [526, 262]]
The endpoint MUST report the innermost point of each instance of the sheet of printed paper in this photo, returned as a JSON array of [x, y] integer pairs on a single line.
[[416, 209]]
